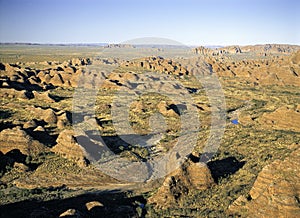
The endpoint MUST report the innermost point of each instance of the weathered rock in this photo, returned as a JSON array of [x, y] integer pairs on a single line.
[[17, 138], [93, 204], [203, 51], [71, 213], [195, 176], [12, 93], [49, 116], [39, 129], [80, 61], [69, 148], [263, 72], [57, 80], [63, 120], [38, 113], [270, 48], [20, 167], [282, 118], [44, 76], [157, 64], [43, 96], [199, 176], [165, 110], [30, 124], [275, 192]]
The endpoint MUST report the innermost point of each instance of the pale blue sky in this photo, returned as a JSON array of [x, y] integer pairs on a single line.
[[192, 22]]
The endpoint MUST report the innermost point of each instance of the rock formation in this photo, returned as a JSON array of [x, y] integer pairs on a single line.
[[157, 64], [69, 148], [282, 118], [276, 191], [195, 176], [17, 138]]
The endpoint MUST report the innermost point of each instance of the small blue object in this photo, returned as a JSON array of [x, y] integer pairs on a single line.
[[235, 121], [142, 206]]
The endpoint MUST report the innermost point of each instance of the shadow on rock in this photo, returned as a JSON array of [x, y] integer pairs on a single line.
[[222, 168]]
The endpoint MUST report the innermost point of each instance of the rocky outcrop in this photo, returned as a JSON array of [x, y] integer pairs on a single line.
[[218, 51], [63, 119], [272, 71], [227, 50], [68, 147], [57, 74], [283, 118], [12, 93], [157, 64], [165, 109], [43, 96], [276, 191], [191, 176], [271, 48], [93, 204], [17, 138], [202, 50]]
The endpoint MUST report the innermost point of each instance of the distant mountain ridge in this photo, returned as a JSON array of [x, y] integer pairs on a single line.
[[234, 49]]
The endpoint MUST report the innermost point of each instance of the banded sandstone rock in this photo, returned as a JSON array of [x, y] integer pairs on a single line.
[[17, 138], [68, 147], [276, 191]]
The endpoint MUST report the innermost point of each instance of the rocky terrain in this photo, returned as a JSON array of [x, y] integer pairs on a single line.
[[47, 172], [264, 50]]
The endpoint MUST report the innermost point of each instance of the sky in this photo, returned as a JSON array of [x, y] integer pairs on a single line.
[[191, 22]]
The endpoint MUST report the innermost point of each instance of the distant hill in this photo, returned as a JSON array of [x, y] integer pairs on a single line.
[[261, 49], [271, 48]]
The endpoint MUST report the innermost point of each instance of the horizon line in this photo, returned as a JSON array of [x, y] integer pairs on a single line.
[[108, 43]]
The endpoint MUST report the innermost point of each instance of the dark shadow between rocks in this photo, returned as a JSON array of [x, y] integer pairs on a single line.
[[6, 125], [57, 98], [178, 108], [24, 86], [42, 136], [114, 203], [15, 156], [225, 167], [4, 114]]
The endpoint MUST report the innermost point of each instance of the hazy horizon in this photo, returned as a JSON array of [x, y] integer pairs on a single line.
[[105, 44]]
